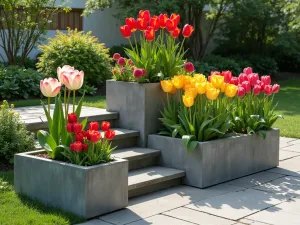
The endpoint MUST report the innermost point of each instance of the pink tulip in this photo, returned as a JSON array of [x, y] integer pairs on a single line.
[[60, 71], [246, 85], [275, 88], [50, 87], [256, 89], [253, 78], [73, 80], [261, 84], [227, 76], [248, 70], [234, 80], [243, 77], [138, 73], [241, 92], [268, 89], [215, 73], [121, 61], [266, 80]]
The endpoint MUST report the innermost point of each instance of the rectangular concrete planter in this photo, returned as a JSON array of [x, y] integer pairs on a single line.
[[84, 191], [217, 161], [138, 106]]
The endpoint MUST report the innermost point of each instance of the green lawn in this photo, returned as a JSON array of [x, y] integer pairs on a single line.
[[289, 108], [92, 101], [20, 210]]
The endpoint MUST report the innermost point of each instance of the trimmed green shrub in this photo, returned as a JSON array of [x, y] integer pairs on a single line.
[[80, 50], [14, 137], [19, 83], [264, 65]]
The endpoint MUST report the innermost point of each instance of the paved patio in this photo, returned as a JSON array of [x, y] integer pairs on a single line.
[[271, 197]]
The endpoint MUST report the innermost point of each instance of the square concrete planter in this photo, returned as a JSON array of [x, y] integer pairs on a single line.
[[84, 191], [138, 106], [217, 161]]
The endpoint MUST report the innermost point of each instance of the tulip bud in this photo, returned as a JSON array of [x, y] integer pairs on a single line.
[[125, 31], [227, 76], [77, 146], [234, 80], [243, 77], [121, 61], [189, 67], [145, 14], [116, 56], [77, 127], [261, 84], [94, 126], [79, 137], [138, 73], [187, 30], [70, 128], [266, 80], [110, 134], [105, 126], [246, 85], [275, 88], [72, 118], [248, 70], [130, 62], [162, 18], [268, 89], [85, 147], [253, 78], [241, 92], [256, 89]]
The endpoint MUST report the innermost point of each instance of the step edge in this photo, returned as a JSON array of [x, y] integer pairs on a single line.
[[139, 156]]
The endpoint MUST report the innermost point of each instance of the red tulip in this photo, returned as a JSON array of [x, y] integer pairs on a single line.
[[125, 31], [187, 30], [79, 137], [116, 56], [261, 84], [121, 61], [85, 147], [94, 136], [72, 118], [215, 73], [131, 22], [72, 147], [275, 88], [77, 146], [150, 34], [253, 78], [256, 89], [138, 73], [171, 25], [94, 126], [234, 80], [70, 128], [84, 133], [110, 134], [145, 14], [130, 62], [162, 18], [266, 80], [268, 89], [105, 126], [77, 127], [154, 23], [241, 91], [175, 33], [176, 18], [243, 77], [246, 85], [189, 67], [141, 24], [227, 76], [247, 70]]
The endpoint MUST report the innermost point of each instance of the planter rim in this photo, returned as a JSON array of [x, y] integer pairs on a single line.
[[32, 155], [216, 140], [131, 82]]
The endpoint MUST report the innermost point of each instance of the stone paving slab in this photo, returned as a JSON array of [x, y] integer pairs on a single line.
[[162, 201], [95, 222], [255, 179], [285, 186], [160, 220], [197, 217], [288, 167], [293, 148], [283, 155], [237, 205]]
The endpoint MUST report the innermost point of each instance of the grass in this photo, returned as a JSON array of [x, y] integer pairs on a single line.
[[289, 107], [18, 210], [92, 101]]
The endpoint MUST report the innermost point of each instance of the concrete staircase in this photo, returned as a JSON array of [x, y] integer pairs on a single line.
[[145, 176]]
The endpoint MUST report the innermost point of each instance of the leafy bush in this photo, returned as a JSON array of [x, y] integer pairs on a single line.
[[14, 137], [29, 63], [17, 82], [79, 49], [264, 65]]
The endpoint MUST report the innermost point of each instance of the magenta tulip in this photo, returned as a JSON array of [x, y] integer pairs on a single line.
[[241, 92], [248, 70], [234, 80], [253, 78], [275, 88], [50, 87], [243, 77], [256, 89], [268, 89], [246, 85], [266, 80]]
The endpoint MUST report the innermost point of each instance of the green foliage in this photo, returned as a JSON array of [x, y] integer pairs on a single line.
[[222, 63], [264, 65], [120, 49], [79, 49], [14, 137], [19, 83], [88, 90], [28, 62]]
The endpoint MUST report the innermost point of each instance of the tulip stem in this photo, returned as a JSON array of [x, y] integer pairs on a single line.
[[137, 50], [130, 43], [49, 105], [73, 101], [65, 102], [69, 93]]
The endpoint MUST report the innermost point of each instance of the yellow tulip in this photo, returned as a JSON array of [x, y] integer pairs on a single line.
[[188, 100], [201, 87], [166, 85], [200, 77], [178, 81], [191, 91], [212, 93], [217, 81], [187, 79], [193, 82], [187, 86], [174, 90], [231, 90], [223, 88]]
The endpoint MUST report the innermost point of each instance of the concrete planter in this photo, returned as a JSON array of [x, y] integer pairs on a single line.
[[84, 191], [214, 162], [138, 106]]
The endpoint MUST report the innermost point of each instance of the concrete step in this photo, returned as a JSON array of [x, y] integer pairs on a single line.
[[38, 121], [124, 138], [138, 157], [152, 179]]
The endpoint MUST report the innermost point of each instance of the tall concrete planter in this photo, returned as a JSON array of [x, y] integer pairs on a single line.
[[84, 191], [138, 106], [217, 161]]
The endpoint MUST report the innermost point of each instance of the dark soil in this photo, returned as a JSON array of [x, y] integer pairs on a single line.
[[43, 155]]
